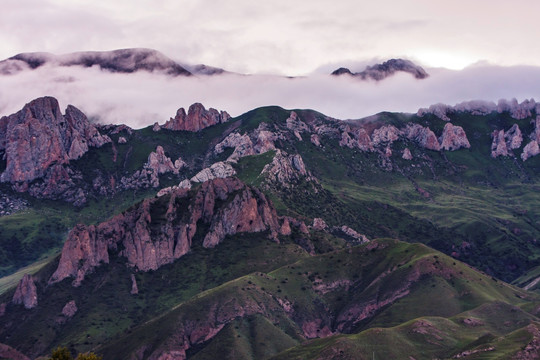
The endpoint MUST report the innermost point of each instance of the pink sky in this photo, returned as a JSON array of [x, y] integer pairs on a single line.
[[281, 36]]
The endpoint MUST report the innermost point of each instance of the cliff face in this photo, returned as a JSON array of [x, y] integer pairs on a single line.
[[161, 230], [196, 119], [39, 138]]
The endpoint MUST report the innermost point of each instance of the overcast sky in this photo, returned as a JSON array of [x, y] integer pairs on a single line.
[[281, 36], [493, 44]]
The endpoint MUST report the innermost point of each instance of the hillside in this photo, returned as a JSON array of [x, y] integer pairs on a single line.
[[276, 233]]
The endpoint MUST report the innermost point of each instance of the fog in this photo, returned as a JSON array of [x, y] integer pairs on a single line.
[[142, 98]]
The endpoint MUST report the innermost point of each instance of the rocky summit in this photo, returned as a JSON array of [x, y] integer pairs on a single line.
[[276, 234]]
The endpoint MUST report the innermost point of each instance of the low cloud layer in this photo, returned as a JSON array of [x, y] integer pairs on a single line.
[[143, 98]]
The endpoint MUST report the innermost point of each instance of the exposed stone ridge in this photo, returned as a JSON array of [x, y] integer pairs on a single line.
[[196, 119], [39, 137], [503, 141], [381, 71], [453, 138], [160, 230], [516, 110], [26, 293]]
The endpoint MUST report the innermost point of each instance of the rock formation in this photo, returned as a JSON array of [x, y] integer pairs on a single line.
[[217, 170], [157, 164], [407, 154], [503, 142], [388, 68], [196, 119], [26, 293], [453, 138], [161, 230], [286, 170], [39, 137], [134, 287], [69, 309], [259, 141], [423, 136]]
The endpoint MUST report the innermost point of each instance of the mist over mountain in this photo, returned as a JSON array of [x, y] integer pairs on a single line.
[[141, 98]]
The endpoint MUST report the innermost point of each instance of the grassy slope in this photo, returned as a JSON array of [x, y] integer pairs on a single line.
[[446, 289]]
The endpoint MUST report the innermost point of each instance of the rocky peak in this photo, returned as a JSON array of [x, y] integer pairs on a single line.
[[26, 293], [160, 230], [39, 136], [196, 119], [453, 138], [217, 170]]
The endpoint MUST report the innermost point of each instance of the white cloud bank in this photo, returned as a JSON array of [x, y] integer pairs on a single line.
[[142, 98]]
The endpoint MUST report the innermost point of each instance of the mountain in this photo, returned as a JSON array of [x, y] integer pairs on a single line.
[[388, 68], [118, 61], [275, 234]]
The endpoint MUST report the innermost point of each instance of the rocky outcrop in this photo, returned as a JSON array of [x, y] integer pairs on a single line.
[[158, 163], [217, 170], [453, 138], [358, 139], [407, 154], [69, 309], [423, 136], [388, 68], [530, 150], [503, 141], [39, 137], [286, 170], [261, 140], [134, 287], [26, 293], [384, 135], [161, 230], [196, 119]]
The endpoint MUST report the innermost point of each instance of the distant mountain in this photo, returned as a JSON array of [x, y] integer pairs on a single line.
[[119, 61], [388, 68]]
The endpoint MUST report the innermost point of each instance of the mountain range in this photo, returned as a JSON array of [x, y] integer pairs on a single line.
[[283, 234], [149, 60]]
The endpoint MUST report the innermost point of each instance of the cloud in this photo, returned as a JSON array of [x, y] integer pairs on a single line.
[[142, 98]]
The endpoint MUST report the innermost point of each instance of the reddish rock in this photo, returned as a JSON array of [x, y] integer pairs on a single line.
[[407, 154], [386, 134], [69, 309], [196, 119], [453, 138], [134, 287], [319, 224], [531, 149], [160, 230], [26, 293], [7, 352], [39, 136]]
